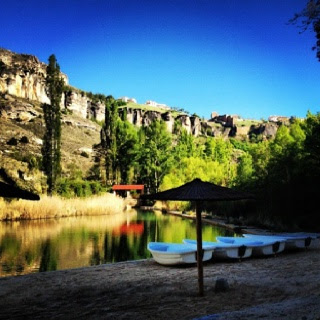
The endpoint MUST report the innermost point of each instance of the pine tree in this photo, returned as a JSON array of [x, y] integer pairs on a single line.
[[51, 154]]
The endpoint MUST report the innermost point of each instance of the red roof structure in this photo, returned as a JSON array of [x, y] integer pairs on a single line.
[[128, 187]]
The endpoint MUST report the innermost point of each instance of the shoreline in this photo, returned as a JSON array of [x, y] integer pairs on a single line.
[[282, 287], [216, 221]]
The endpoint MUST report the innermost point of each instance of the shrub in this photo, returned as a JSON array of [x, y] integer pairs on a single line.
[[78, 188], [33, 161], [96, 187]]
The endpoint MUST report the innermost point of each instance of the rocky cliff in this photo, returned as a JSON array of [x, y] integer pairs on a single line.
[[23, 76]]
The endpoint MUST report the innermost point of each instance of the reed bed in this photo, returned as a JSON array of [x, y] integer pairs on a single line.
[[56, 207]]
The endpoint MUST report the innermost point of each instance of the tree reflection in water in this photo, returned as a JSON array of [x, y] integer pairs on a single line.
[[49, 257], [33, 246]]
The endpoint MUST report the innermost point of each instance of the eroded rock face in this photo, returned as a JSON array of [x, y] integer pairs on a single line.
[[185, 122], [17, 110], [267, 130], [24, 76], [195, 126], [206, 129], [140, 118], [150, 116], [169, 120], [76, 102]]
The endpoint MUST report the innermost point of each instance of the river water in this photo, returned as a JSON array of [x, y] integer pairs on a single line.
[[55, 244]]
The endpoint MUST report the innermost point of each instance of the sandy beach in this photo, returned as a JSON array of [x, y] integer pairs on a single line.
[[282, 287]]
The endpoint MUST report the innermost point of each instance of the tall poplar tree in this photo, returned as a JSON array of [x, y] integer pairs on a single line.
[[110, 143], [51, 154]]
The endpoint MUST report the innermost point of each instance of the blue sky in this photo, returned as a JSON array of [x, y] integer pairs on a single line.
[[230, 56]]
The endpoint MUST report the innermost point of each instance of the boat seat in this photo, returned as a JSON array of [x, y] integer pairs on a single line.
[[159, 247]]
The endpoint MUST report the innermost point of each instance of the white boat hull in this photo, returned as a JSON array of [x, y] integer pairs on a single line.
[[174, 254], [231, 253], [292, 241], [260, 246], [269, 249], [223, 250]]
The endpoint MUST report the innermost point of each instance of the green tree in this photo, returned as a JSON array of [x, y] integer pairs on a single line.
[[218, 149], [51, 154], [311, 128], [155, 154], [127, 139], [244, 169], [260, 153], [110, 140], [185, 146]]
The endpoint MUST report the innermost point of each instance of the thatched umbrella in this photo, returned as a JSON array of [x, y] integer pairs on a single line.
[[199, 191], [9, 191]]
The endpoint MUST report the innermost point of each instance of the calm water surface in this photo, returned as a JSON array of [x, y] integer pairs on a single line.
[[55, 244]]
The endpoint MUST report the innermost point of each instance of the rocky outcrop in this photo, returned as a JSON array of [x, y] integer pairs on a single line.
[[19, 172], [23, 76], [150, 116], [195, 126], [267, 130], [169, 120], [96, 110], [13, 109], [185, 122], [77, 102]]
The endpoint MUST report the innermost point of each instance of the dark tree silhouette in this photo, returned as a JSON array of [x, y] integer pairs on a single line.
[[51, 153], [308, 18]]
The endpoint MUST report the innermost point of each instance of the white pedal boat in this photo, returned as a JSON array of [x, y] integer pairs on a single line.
[[297, 240], [260, 246], [221, 250], [175, 253]]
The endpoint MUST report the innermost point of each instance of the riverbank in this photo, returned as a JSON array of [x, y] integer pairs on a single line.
[[58, 207], [282, 287], [215, 221]]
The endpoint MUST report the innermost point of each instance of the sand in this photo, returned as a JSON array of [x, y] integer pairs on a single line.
[[282, 287]]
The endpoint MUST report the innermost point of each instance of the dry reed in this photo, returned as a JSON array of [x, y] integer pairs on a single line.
[[56, 207]]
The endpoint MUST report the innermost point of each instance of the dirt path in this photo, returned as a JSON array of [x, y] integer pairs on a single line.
[[284, 287]]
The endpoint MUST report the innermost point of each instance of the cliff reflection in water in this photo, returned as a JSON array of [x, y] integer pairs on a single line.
[[55, 244]]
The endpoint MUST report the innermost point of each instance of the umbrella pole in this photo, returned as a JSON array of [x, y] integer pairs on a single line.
[[199, 248]]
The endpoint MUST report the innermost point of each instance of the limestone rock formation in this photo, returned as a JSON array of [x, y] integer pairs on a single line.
[[23, 76], [16, 110], [185, 122], [195, 126], [76, 102], [267, 130]]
